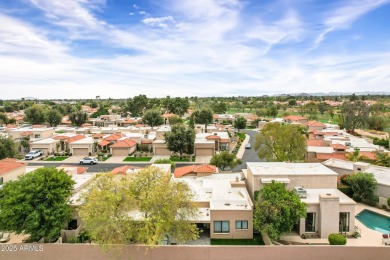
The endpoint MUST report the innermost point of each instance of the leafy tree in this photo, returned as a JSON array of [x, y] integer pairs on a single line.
[[219, 107], [180, 139], [100, 112], [37, 203], [153, 118], [78, 118], [378, 123], [225, 160], [54, 117], [292, 102], [136, 106], [36, 114], [240, 123], [277, 210], [272, 111], [354, 156], [280, 143], [311, 109], [25, 143], [3, 119], [203, 116], [331, 112], [143, 208], [302, 110], [353, 115], [7, 147], [322, 107], [166, 161], [363, 186], [173, 120]]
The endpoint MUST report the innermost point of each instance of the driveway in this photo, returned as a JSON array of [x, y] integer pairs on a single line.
[[115, 159], [250, 155], [203, 159], [73, 159], [158, 157]]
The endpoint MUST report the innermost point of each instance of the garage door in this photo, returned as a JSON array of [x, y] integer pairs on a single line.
[[120, 151], [162, 151], [204, 152], [80, 151]]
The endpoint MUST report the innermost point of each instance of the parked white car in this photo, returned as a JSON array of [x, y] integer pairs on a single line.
[[33, 154], [88, 160]]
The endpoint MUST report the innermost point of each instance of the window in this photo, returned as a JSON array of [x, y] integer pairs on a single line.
[[344, 222], [221, 226], [310, 222], [241, 224], [37, 136]]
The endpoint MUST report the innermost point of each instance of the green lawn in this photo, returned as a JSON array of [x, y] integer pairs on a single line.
[[241, 136], [177, 159], [257, 240], [137, 159], [58, 158]]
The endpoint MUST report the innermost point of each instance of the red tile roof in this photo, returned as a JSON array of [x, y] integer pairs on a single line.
[[86, 124], [204, 168], [294, 118], [9, 164], [114, 137], [97, 135], [75, 138], [314, 123], [369, 155], [213, 137], [124, 143], [339, 146], [104, 143], [315, 142], [225, 141], [124, 169], [327, 156], [146, 141]]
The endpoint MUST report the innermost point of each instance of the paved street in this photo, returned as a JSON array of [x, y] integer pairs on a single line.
[[250, 155]]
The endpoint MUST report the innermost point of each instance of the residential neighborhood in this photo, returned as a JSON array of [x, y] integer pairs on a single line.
[[194, 129]]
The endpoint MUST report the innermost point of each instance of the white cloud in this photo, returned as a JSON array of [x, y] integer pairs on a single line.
[[346, 14], [159, 21]]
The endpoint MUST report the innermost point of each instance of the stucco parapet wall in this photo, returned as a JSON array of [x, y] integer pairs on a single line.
[[293, 169]]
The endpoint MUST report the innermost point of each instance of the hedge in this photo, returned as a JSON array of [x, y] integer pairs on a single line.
[[337, 239]]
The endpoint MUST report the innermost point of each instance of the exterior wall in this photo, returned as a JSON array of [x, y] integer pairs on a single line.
[[12, 175], [161, 149], [250, 183], [88, 146], [307, 181], [122, 151], [383, 191], [46, 148], [340, 171], [232, 216], [311, 208], [351, 210], [329, 215]]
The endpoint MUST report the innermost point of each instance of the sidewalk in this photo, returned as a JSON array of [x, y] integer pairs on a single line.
[[241, 151]]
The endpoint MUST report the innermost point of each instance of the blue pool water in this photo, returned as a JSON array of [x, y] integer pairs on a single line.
[[374, 221]]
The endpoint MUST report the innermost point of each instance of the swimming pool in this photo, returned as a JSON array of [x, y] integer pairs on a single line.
[[374, 221]]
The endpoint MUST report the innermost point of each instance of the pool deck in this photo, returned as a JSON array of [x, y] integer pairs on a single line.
[[368, 237]]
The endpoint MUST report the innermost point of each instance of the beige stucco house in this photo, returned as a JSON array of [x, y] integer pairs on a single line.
[[47, 145], [328, 209], [83, 147], [33, 133], [10, 169]]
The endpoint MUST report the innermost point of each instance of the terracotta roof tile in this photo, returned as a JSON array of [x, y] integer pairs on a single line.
[[327, 156], [315, 142], [213, 137], [124, 169], [294, 118], [314, 123], [339, 146], [113, 137], [75, 138], [60, 137], [26, 133], [104, 143], [10, 164], [97, 135], [204, 168], [124, 143]]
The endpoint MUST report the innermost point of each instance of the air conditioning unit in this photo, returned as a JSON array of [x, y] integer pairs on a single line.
[[301, 192]]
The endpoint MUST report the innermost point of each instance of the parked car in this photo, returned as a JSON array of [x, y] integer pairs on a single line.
[[33, 154], [88, 160], [248, 146], [5, 238]]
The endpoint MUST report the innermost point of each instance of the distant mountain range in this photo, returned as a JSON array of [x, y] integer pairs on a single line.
[[334, 94]]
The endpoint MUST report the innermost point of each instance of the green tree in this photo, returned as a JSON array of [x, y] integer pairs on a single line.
[[219, 107], [311, 109], [3, 119], [292, 102], [272, 111], [180, 139], [25, 143], [54, 117], [331, 112], [322, 107], [280, 143], [225, 160], [173, 120], [277, 210], [37, 203], [353, 115], [382, 159], [379, 123], [78, 118], [7, 147], [100, 112], [152, 117], [143, 208], [363, 186], [302, 110], [203, 116], [240, 123], [36, 114]]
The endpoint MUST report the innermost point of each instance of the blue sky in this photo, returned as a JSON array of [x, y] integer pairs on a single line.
[[121, 48]]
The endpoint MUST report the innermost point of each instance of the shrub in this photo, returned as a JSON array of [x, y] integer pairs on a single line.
[[337, 239], [388, 201], [346, 189]]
